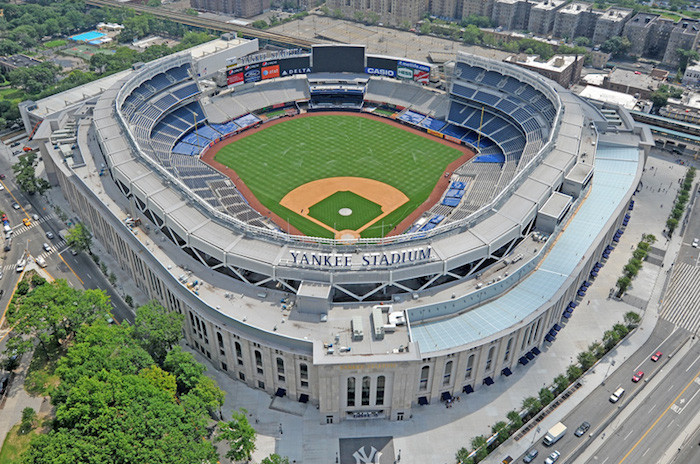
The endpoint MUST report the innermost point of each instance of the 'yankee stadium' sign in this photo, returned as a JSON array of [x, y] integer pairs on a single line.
[[370, 259]]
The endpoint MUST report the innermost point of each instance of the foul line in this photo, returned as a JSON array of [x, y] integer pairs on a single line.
[[659, 418], [71, 269]]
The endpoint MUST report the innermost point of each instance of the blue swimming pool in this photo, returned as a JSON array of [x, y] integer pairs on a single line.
[[87, 36]]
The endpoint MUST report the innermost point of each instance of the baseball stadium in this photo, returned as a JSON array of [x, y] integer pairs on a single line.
[[348, 230]]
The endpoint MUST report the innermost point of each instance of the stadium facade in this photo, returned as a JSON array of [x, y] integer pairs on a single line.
[[374, 327]]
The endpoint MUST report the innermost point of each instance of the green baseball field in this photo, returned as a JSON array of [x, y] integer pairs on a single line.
[[284, 156]]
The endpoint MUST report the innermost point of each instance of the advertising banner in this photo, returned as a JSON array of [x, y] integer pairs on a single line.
[[251, 73], [234, 76], [452, 139], [413, 71], [380, 66], [435, 133], [270, 69], [296, 65]]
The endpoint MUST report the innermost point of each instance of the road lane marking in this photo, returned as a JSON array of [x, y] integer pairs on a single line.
[[659, 418], [628, 435], [71, 269]]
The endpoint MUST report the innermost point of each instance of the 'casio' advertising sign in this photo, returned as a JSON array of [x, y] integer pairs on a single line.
[[381, 72]]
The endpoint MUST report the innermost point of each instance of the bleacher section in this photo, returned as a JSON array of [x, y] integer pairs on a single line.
[[172, 128]]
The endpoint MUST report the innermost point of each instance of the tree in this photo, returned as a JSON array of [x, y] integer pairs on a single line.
[[54, 312], [501, 429], [28, 419], [546, 396], [25, 175], [462, 456], [481, 447], [616, 45], [260, 24], [79, 238], [239, 435], [515, 420], [186, 369], [275, 459], [582, 41], [611, 338], [532, 405], [623, 284], [425, 27], [471, 35], [671, 225], [561, 383], [209, 395], [586, 359], [632, 319], [164, 381], [573, 372], [157, 329], [686, 58]]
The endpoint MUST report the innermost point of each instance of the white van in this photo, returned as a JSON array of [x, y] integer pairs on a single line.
[[617, 394]]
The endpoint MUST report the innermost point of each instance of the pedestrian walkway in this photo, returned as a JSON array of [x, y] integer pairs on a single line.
[[681, 306]]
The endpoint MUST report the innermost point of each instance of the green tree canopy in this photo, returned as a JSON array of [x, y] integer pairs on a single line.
[[157, 329], [186, 369], [239, 435], [79, 238]]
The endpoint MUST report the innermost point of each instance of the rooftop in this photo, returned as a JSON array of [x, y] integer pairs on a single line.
[[19, 61], [548, 5], [609, 96], [634, 79], [557, 63]]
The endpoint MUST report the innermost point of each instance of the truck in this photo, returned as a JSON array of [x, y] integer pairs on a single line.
[[554, 434]]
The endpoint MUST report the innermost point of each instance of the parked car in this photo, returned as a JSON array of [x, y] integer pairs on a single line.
[[656, 356], [583, 428], [638, 376]]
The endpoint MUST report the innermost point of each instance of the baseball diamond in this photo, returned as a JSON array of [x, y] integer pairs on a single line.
[[284, 156]]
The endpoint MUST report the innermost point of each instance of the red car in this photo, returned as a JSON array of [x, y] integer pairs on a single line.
[[638, 376], [656, 356], [2, 176]]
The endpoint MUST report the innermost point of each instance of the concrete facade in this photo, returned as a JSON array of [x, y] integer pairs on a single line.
[[241, 8], [511, 14], [542, 16], [655, 37], [610, 23], [446, 8], [692, 75], [575, 20], [477, 8], [393, 12]]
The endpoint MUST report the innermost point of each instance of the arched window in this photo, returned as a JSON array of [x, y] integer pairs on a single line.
[[351, 391], [258, 361], [424, 374], [489, 358], [381, 381], [508, 347], [304, 375], [239, 354], [280, 370], [365, 391], [470, 367], [448, 373]]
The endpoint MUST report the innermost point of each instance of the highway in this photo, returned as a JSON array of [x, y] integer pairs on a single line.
[[205, 23], [598, 410]]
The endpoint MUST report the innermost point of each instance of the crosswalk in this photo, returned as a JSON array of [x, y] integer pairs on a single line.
[[21, 228], [681, 305], [56, 247]]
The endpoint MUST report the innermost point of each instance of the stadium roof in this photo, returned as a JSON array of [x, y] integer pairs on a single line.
[[615, 173]]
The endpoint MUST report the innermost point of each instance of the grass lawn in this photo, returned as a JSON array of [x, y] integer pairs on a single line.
[[280, 158], [328, 211], [54, 43], [15, 445]]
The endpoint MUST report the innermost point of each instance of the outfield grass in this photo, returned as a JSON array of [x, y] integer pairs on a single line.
[[284, 156], [328, 211]]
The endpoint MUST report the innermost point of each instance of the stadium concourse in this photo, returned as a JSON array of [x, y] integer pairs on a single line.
[[480, 284]]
